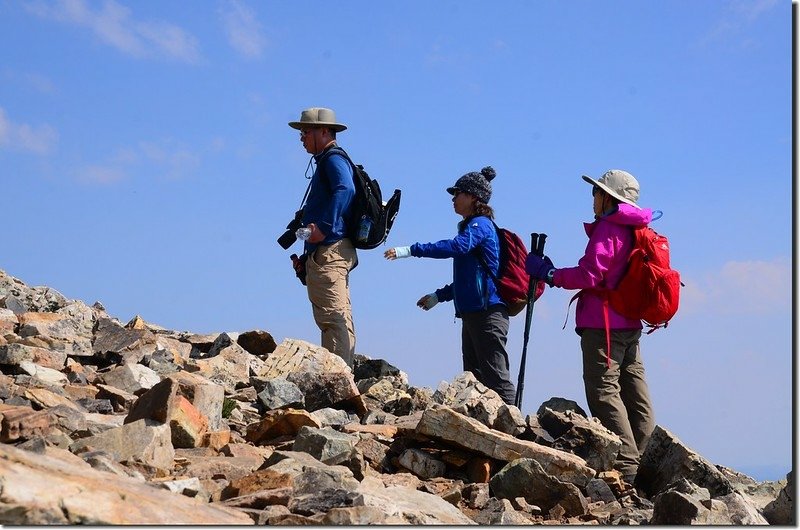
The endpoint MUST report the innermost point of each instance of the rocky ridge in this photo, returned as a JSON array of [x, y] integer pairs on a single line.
[[109, 423]]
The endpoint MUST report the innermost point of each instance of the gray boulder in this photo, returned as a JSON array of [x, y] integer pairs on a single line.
[[471, 398], [132, 378], [666, 460], [559, 404], [325, 444], [143, 440], [501, 512], [525, 478], [584, 437], [781, 510], [280, 393], [322, 390], [422, 464]]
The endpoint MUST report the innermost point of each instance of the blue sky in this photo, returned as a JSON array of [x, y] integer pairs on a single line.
[[147, 163]]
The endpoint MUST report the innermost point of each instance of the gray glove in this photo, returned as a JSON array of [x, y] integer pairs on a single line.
[[428, 301]]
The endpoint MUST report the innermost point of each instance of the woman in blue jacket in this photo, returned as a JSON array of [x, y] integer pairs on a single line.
[[483, 315]]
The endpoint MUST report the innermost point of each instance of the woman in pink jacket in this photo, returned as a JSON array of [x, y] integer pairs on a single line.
[[616, 389]]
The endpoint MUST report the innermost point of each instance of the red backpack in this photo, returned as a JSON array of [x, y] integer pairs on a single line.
[[650, 289], [512, 280]]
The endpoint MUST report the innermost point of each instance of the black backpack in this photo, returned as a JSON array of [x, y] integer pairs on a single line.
[[370, 218]]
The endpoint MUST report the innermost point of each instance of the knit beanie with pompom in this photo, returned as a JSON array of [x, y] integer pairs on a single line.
[[477, 184]]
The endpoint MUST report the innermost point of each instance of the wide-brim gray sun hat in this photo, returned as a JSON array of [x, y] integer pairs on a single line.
[[317, 117], [619, 184]]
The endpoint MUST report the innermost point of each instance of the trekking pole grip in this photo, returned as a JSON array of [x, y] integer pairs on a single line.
[[540, 245], [532, 282]]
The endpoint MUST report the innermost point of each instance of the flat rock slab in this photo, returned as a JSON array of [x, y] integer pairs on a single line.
[[461, 431], [293, 355], [404, 505], [38, 489], [143, 440]]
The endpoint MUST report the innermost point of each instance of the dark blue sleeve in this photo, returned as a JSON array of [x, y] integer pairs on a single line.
[[445, 294]]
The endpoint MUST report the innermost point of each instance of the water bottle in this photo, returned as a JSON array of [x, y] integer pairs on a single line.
[[363, 229], [303, 233]]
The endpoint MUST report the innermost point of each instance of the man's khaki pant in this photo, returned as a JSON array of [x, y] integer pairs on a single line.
[[327, 278], [618, 396]]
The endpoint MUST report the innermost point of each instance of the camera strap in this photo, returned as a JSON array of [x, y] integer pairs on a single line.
[[328, 151], [305, 196]]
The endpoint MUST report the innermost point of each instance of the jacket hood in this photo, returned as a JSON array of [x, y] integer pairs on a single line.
[[630, 215], [625, 215]]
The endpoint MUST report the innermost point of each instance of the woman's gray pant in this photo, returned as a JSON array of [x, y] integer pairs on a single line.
[[483, 348], [618, 396]]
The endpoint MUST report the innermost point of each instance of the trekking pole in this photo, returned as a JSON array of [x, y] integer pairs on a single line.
[[537, 248]]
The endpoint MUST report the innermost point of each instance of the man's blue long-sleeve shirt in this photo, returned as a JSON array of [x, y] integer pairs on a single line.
[[329, 199]]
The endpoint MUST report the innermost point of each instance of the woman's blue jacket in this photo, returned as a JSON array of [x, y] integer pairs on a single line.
[[472, 289]]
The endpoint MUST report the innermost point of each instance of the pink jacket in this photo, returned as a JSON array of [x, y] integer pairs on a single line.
[[602, 266]]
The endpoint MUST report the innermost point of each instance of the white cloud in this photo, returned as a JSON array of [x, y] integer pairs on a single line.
[[100, 174], [114, 25], [162, 159], [741, 287], [28, 81], [23, 137], [738, 16], [40, 83], [175, 161], [243, 29], [172, 40]]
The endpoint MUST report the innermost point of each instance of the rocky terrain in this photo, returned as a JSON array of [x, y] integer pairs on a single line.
[[104, 422]]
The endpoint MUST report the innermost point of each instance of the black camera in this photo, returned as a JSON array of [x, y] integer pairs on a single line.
[[288, 238]]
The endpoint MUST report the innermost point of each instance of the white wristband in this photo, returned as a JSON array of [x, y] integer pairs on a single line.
[[402, 252]]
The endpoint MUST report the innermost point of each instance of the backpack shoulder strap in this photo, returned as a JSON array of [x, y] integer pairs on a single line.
[[482, 259], [336, 150]]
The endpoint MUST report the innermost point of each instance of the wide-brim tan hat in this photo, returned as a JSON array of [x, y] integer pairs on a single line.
[[619, 184], [317, 117]]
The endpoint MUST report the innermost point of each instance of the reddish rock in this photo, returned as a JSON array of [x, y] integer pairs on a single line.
[[264, 479], [188, 425], [278, 423], [479, 470], [23, 423]]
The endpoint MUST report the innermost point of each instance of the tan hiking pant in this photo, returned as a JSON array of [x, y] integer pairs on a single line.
[[618, 396], [327, 278]]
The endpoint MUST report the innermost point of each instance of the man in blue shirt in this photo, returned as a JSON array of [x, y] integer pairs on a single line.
[[330, 254]]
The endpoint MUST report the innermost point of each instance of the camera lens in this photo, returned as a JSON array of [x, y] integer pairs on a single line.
[[287, 239]]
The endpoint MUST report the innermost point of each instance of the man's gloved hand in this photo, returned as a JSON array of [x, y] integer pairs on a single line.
[[539, 267], [428, 301], [397, 253], [299, 266]]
